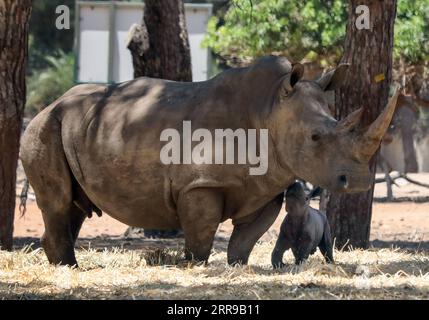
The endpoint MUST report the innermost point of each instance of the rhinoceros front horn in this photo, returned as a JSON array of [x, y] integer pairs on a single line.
[[372, 137]]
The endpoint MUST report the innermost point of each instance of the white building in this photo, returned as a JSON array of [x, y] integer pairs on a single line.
[[101, 36]]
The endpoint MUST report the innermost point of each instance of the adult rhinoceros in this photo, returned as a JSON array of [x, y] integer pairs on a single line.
[[99, 147]]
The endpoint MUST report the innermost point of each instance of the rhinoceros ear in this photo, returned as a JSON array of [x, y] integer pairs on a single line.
[[293, 77], [296, 74], [333, 79]]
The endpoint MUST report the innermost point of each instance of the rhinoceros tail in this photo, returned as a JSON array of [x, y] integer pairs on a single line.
[[23, 198]]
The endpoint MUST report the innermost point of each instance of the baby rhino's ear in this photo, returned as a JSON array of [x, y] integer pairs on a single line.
[[315, 193]]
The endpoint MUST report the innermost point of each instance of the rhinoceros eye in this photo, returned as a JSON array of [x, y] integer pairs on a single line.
[[316, 137]]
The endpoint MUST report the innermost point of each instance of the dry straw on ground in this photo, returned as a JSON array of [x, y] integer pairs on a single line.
[[122, 274]]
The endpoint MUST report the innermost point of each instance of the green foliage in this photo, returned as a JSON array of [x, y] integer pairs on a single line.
[[412, 31], [47, 85], [45, 39], [311, 29], [50, 61], [295, 28]]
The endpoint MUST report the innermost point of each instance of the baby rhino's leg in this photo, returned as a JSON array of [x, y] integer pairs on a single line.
[[325, 245], [305, 247], [282, 245]]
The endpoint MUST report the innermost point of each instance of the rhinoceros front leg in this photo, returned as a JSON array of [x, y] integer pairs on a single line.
[[246, 234], [200, 212], [283, 244]]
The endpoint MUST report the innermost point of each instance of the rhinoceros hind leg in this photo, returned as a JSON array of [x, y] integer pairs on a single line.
[[47, 169], [61, 231], [200, 212], [247, 233]]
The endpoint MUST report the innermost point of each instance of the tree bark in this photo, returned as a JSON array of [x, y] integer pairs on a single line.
[[367, 85], [14, 19], [160, 46]]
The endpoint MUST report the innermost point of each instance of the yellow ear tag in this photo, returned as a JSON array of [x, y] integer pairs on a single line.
[[380, 77]]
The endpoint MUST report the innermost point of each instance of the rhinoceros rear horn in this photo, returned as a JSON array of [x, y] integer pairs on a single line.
[[372, 137], [333, 79], [351, 121]]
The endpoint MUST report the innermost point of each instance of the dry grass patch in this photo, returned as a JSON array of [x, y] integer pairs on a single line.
[[124, 274]]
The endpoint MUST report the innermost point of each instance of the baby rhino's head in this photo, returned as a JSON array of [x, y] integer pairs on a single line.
[[296, 198]]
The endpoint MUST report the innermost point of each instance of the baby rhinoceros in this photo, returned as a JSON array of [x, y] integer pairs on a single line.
[[303, 230]]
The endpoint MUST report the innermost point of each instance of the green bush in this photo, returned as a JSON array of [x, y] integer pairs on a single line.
[[45, 38], [47, 85]]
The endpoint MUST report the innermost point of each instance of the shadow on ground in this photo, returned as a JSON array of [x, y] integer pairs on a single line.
[[140, 243], [221, 243], [405, 245]]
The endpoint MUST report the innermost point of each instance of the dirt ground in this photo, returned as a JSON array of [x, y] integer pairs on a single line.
[[397, 224]]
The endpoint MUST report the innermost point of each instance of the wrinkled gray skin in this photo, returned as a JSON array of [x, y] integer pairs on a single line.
[[98, 147], [303, 230]]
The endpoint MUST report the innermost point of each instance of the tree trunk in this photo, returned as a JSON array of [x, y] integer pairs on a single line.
[[370, 54], [14, 18], [160, 46], [160, 49]]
